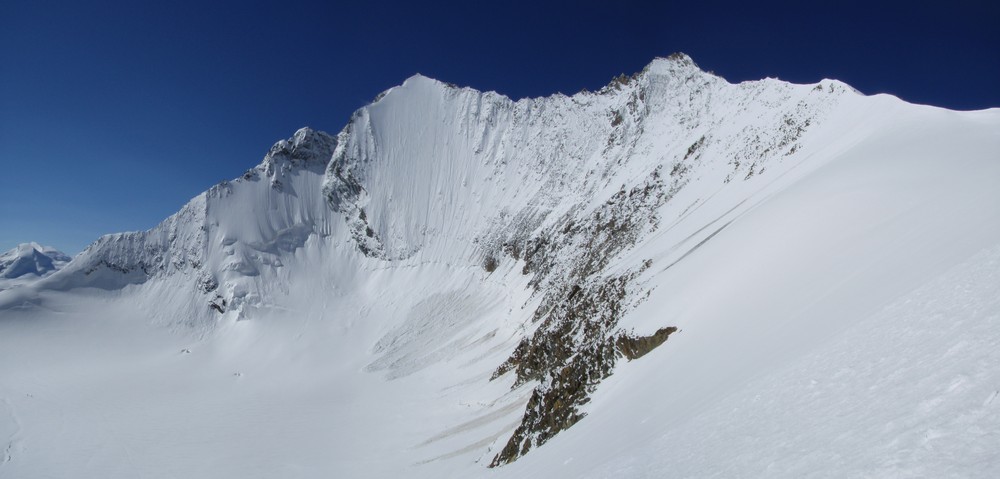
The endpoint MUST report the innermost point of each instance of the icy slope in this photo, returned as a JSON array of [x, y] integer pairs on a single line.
[[458, 280]]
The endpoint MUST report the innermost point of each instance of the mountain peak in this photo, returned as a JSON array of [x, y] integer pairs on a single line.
[[307, 147], [419, 77], [312, 140], [481, 274], [31, 258], [673, 64]]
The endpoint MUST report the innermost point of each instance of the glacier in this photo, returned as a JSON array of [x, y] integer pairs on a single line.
[[674, 276]]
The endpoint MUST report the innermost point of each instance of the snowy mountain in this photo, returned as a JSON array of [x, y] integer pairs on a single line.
[[673, 276], [27, 262]]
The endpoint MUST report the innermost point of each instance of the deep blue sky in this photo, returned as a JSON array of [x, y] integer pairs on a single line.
[[114, 114]]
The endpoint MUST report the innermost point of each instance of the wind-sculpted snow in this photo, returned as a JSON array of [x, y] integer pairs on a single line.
[[458, 280]]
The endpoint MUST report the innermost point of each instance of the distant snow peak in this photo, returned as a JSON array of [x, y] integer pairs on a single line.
[[31, 259]]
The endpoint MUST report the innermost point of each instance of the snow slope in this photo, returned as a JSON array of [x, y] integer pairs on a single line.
[[345, 307]]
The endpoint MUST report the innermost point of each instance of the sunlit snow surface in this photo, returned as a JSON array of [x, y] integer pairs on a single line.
[[838, 311]]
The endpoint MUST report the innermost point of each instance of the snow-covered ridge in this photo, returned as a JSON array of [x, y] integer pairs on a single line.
[[226, 236], [403, 163], [453, 279], [423, 145]]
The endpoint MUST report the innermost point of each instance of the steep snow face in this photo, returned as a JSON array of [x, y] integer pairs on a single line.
[[460, 280], [28, 262]]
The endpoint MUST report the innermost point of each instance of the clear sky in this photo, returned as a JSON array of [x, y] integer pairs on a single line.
[[114, 114]]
